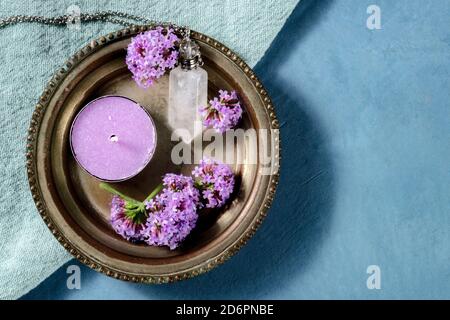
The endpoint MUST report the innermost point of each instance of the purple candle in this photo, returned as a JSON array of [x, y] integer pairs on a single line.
[[113, 138]]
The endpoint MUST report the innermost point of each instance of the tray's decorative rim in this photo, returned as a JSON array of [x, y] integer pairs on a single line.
[[31, 165]]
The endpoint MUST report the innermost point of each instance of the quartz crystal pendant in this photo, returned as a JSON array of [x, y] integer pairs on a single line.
[[188, 89]]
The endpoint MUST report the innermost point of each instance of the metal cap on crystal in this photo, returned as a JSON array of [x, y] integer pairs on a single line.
[[190, 57]]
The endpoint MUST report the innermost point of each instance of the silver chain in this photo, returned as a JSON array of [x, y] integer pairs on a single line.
[[115, 17]]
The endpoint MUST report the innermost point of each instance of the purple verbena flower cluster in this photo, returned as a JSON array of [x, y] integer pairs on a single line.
[[127, 219], [173, 213], [223, 113], [169, 217], [216, 181], [177, 183], [150, 54]]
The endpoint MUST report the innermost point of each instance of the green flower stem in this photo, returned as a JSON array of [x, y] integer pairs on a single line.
[[110, 189], [140, 205], [154, 192]]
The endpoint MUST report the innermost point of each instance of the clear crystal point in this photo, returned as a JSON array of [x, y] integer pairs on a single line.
[[187, 93], [188, 89]]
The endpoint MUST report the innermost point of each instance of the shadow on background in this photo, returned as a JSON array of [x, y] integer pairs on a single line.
[[300, 217]]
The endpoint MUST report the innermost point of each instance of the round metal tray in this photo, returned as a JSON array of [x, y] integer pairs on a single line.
[[76, 210]]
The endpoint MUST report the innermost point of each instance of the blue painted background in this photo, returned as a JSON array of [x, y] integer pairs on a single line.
[[366, 164]]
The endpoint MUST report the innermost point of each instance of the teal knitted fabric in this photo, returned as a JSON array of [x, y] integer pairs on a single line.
[[29, 55]]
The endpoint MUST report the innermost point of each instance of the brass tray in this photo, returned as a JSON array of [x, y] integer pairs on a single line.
[[76, 210]]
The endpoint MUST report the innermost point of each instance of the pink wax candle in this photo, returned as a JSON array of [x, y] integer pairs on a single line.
[[113, 138]]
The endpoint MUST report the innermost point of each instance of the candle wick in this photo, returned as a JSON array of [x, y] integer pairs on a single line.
[[113, 138]]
